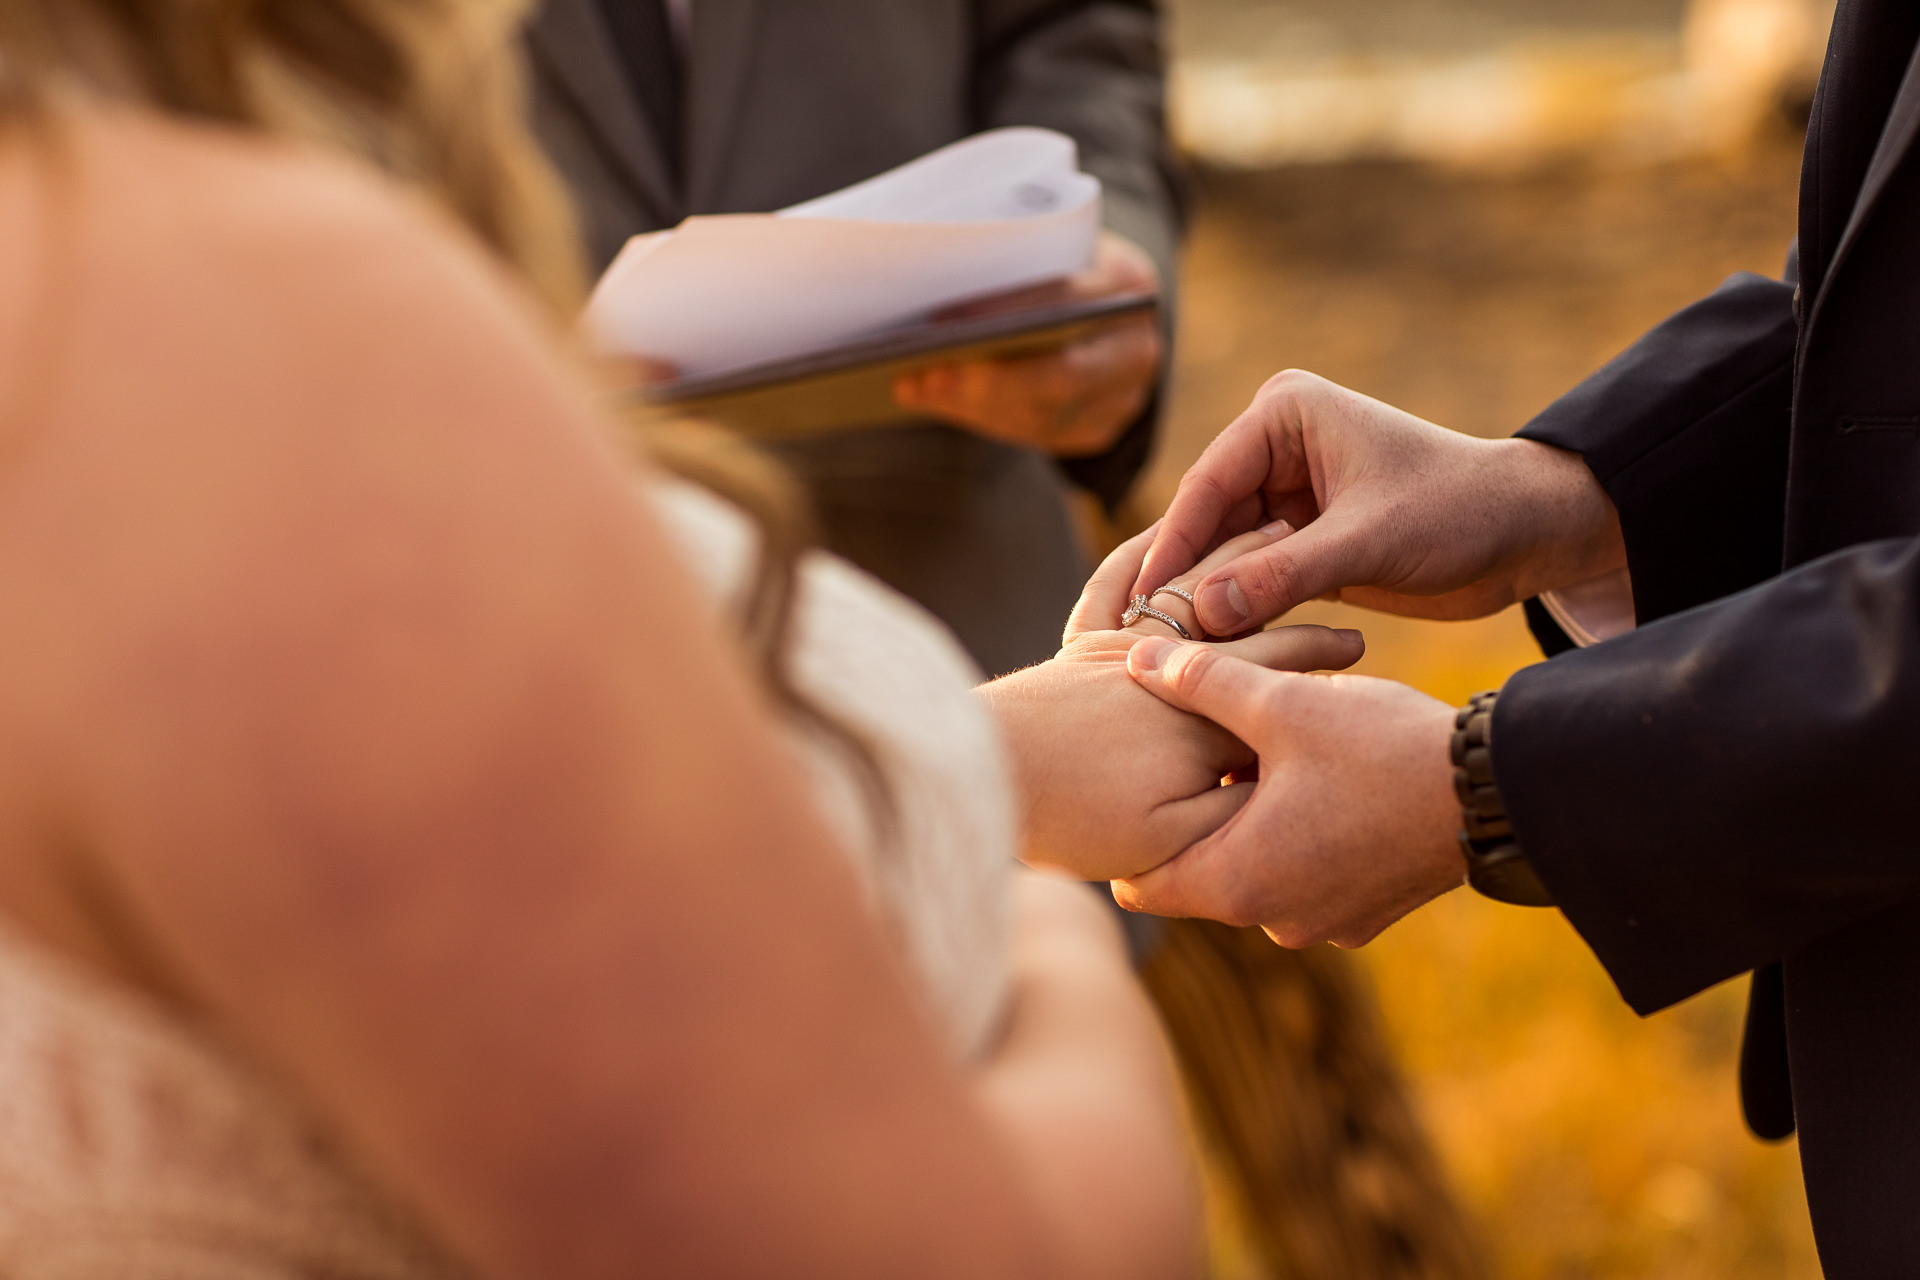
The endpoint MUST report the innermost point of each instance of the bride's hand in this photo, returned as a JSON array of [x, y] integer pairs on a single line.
[[1112, 781], [1103, 604]]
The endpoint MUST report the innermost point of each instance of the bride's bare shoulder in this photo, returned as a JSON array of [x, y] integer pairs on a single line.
[[173, 197], [174, 247]]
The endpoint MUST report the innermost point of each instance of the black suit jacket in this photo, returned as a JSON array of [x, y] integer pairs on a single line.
[[785, 100], [1735, 785]]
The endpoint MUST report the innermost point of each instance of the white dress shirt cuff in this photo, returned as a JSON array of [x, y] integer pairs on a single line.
[[1595, 610]]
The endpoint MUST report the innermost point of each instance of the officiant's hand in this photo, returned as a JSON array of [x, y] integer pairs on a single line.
[[1113, 781], [1069, 403], [1379, 509]]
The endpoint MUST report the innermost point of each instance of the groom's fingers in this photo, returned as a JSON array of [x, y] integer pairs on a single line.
[[1181, 824], [1105, 596], [1299, 648], [1329, 553], [1260, 456], [1232, 471], [1178, 602], [1233, 693], [1181, 886], [1233, 548], [1174, 603]]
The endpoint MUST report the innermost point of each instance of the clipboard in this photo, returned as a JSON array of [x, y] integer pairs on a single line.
[[851, 386]]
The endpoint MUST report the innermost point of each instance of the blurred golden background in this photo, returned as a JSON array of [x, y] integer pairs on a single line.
[[1463, 209]]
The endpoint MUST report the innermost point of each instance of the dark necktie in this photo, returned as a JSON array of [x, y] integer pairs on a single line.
[[643, 38]]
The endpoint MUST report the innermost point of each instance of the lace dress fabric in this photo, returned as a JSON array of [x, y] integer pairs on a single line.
[[884, 668], [135, 1142]]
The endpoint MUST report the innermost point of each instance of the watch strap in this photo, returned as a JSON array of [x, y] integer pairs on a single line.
[[1497, 867]]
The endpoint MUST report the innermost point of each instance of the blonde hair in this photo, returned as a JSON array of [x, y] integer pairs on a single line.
[[431, 91], [425, 89]]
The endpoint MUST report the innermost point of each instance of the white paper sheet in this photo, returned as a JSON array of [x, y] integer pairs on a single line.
[[993, 212]]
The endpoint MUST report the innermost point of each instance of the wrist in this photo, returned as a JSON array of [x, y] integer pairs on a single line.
[[1570, 530], [1425, 820], [1013, 716]]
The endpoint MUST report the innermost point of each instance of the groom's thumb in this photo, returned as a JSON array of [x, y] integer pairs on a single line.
[[1201, 679], [1263, 584]]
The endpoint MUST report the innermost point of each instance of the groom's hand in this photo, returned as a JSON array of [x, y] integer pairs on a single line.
[[1113, 781], [1383, 509], [1352, 823]]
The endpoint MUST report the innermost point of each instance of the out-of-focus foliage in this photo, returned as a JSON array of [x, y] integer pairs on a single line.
[[1263, 82], [1588, 1142]]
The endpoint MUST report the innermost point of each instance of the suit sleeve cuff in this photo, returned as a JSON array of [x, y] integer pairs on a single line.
[[1595, 610]]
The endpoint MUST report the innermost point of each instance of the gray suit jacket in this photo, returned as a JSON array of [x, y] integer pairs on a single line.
[[789, 99]]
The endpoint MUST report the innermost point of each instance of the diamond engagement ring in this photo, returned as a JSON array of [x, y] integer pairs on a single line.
[[1138, 608]]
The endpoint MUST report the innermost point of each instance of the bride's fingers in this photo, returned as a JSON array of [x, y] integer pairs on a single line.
[[1180, 606], [1300, 648], [1175, 607], [1180, 824], [1105, 596]]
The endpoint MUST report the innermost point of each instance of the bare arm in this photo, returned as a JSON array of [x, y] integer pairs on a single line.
[[351, 655]]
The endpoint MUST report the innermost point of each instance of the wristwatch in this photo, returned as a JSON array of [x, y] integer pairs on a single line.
[[1497, 866]]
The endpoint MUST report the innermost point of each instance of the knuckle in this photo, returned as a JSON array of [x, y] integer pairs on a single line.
[[1191, 668], [1130, 895], [1273, 577], [1273, 701], [1245, 435], [1291, 384], [1356, 930], [1238, 919], [1238, 906], [1207, 487], [1291, 935]]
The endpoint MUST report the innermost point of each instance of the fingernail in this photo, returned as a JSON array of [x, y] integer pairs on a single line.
[[1350, 635], [1149, 655], [1222, 608], [1278, 529]]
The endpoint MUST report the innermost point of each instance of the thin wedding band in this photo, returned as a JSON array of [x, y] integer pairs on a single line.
[[1138, 608], [1167, 618], [1184, 594]]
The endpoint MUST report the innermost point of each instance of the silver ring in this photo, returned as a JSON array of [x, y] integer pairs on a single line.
[[1138, 608], [1170, 589]]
